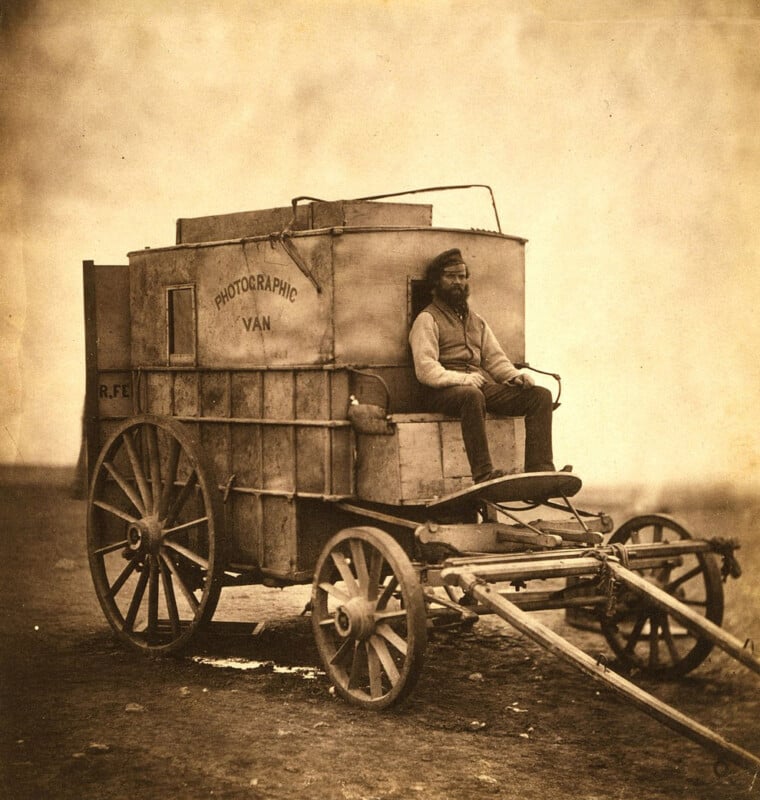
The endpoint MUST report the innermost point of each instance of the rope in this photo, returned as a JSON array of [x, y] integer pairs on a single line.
[[621, 553], [608, 583], [725, 548]]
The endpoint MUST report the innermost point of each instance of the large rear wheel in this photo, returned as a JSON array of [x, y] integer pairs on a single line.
[[155, 534]]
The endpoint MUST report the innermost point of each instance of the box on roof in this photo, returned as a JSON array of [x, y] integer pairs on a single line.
[[312, 216]]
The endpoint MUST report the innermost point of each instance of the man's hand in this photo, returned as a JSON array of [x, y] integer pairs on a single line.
[[523, 379], [474, 379]]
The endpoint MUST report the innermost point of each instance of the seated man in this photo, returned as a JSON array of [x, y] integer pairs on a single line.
[[466, 373]]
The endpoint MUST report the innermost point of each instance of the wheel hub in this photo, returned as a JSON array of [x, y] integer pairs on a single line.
[[145, 535], [355, 619], [134, 537]]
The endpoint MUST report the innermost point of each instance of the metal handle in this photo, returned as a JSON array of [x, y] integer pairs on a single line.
[[294, 202], [556, 376], [380, 380]]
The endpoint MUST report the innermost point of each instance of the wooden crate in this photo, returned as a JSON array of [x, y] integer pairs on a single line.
[[424, 457]]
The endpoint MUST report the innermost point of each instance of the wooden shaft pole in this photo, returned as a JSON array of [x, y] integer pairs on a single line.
[[651, 705]]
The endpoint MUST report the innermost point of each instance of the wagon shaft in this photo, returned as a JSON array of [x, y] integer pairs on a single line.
[[476, 580]]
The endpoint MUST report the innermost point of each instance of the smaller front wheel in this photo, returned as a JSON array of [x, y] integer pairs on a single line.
[[368, 616]]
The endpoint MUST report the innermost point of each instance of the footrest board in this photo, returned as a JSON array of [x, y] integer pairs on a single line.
[[529, 487]]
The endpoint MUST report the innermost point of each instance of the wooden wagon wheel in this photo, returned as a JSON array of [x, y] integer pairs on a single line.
[[155, 534], [368, 615], [645, 637]]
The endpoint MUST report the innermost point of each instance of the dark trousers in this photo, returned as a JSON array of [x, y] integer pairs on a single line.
[[471, 404]]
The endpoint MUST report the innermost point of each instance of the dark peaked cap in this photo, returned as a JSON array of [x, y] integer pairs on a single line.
[[448, 258]]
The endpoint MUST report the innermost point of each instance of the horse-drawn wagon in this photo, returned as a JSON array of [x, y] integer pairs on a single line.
[[252, 416]]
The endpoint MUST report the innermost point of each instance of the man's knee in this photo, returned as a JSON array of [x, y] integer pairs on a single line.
[[541, 399], [456, 401], [471, 399]]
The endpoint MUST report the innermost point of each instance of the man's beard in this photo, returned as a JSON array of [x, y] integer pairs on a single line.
[[456, 297]]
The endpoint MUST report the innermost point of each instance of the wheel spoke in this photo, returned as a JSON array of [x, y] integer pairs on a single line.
[[182, 498], [390, 615], [117, 512], [345, 572], [379, 646], [171, 600], [657, 533], [122, 579], [360, 565], [375, 571], [635, 635], [392, 637], [137, 597], [171, 476], [375, 674], [654, 641], [153, 463], [152, 596], [387, 592], [109, 548], [359, 654], [671, 587], [137, 469], [184, 526], [131, 494], [667, 635], [187, 553], [188, 595], [333, 590], [345, 650]]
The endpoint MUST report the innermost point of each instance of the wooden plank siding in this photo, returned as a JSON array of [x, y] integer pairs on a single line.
[[281, 433]]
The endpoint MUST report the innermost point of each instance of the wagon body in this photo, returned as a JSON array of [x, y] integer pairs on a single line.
[[253, 341]]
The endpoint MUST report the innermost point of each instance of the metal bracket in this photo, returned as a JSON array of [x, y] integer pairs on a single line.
[[228, 487]]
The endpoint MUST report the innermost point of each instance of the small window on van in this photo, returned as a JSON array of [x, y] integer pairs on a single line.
[[180, 318], [418, 297]]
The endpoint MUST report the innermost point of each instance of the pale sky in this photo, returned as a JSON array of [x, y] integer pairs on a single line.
[[622, 142]]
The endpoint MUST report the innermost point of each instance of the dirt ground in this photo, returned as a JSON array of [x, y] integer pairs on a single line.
[[492, 716]]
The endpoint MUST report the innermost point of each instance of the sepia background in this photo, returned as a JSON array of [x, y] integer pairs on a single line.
[[620, 139]]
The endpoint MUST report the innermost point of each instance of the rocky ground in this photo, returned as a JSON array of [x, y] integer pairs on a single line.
[[492, 716]]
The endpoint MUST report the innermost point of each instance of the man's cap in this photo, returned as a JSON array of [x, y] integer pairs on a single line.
[[448, 258]]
